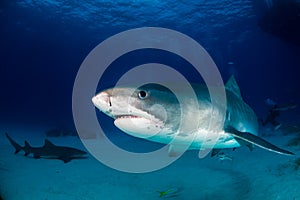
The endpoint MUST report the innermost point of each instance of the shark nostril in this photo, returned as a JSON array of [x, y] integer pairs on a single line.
[[102, 100], [109, 101]]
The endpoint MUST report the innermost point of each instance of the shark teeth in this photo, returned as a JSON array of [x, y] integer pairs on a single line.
[[126, 116]]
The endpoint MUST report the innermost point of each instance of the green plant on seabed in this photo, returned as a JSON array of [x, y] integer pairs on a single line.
[[169, 193]]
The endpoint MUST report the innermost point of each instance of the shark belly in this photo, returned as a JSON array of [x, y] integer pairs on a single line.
[[198, 140]]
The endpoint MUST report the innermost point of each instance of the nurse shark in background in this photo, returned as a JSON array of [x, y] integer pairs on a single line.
[[136, 113], [48, 150]]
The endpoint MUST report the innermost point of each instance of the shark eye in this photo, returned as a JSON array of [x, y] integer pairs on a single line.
[[143, 94]]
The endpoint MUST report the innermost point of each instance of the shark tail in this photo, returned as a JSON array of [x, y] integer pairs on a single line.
[[15, 144]]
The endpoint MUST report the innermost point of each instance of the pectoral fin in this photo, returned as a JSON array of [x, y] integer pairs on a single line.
[[215, 152], [65, 159], [243, 142], [253, 139]]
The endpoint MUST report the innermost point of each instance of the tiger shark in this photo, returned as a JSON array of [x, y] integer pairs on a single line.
[[49, 150], [152, 112]]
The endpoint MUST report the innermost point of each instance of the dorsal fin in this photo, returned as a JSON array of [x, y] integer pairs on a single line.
[[232, 86], [27, 145], [48, 143]]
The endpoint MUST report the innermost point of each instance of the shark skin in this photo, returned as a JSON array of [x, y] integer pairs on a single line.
[[49, 151], [153, 112]]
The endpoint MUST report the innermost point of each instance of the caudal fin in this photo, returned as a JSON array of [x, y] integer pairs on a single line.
[[14, 143]]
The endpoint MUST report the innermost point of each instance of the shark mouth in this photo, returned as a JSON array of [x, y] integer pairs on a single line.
[[139, 126], [133, 117], [127, 117]]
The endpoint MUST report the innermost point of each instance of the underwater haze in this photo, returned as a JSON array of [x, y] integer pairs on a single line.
[[43, 45]]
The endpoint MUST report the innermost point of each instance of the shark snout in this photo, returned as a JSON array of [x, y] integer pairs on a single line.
[[102, 101]]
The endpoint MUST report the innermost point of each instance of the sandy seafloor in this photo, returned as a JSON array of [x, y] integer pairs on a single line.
[[250, 175]]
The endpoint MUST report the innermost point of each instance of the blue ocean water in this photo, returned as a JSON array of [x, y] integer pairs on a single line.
[[43, 44]]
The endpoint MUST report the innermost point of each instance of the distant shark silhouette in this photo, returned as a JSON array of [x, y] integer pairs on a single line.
[[49, 150]]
